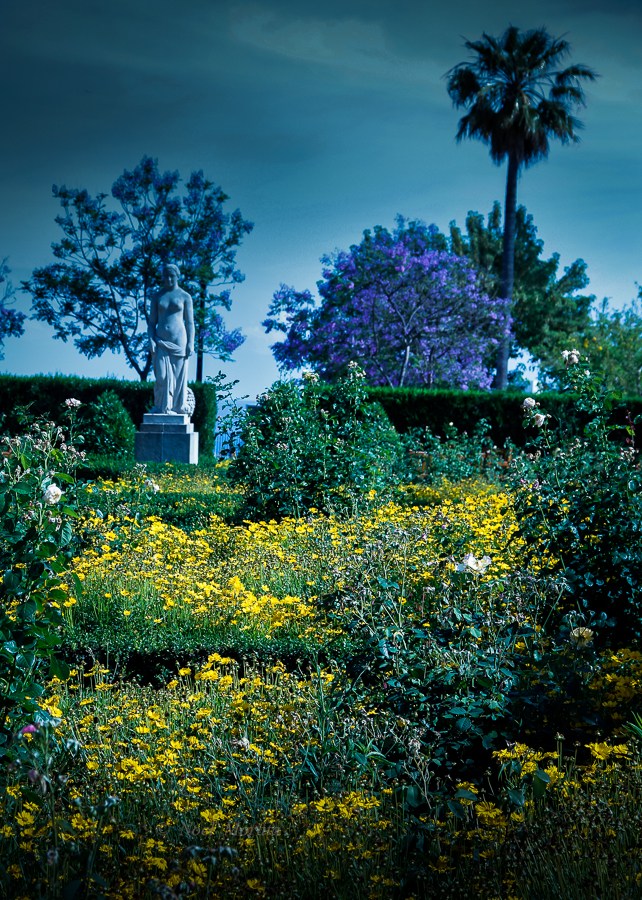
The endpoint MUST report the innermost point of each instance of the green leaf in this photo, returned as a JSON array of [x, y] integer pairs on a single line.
[[73, 890], [11, 581], [58, 565], [27, 611], [412, 796], [457, 809], [66, 534], [488, 740], [516, 797], [63, 476], [540, 780], [46, 549], [463, 794], [58, 668], [22, 488]]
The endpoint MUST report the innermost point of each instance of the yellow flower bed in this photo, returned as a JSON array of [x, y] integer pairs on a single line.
[[211, 760], [235, 781], [266, 577]]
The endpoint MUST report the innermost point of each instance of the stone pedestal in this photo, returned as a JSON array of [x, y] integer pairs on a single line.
[[166, 437]]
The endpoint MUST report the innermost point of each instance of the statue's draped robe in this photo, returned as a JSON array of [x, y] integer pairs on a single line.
[[170, 370]]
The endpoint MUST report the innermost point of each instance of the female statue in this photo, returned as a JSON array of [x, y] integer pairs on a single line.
[[171, 338]]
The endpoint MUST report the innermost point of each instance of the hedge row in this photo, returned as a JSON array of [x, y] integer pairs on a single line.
[[45, 395], [410, 408]]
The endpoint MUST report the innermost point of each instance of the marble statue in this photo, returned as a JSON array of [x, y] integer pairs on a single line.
[[171, 338]]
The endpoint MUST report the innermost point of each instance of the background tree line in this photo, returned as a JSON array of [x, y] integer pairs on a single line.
[[411, 305]]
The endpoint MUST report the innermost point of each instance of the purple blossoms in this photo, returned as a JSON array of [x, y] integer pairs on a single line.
[[402, 306]]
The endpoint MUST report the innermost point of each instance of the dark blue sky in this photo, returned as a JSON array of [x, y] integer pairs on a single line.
[[319, 120]]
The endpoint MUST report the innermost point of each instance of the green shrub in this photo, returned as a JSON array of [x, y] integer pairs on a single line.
[[310, 445], [100, 465], [455, 456], [107, 427], [456, 680], [579, 503], [35, 548], [440, 410]]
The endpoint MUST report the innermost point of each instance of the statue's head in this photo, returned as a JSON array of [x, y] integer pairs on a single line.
[[170, 277]]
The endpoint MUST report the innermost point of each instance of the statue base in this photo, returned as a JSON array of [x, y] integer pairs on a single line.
[[166, 437]]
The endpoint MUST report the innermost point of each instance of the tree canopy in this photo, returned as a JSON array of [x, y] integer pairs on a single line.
[[401, 305], [548, 309], [109, 262], [517, 99], [11, 320], [611, 341]]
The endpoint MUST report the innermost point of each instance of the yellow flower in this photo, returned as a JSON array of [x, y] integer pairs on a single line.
[[212, 816], [24, 819], [441, 864], [604, 751]]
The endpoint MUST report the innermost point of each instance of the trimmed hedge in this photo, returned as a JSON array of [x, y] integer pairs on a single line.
[[45, 395], [409, 408]]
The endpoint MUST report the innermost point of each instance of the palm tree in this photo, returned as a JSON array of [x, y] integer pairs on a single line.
[[516, 100]]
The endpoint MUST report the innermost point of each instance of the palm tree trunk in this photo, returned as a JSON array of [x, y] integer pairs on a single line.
[[508, 265]]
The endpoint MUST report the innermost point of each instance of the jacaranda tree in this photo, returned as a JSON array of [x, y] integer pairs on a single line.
[[517, 99], [399, 304], [109, 262], [11, 320]]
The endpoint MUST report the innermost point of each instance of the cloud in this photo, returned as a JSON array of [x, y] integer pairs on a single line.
[[352, 43], [346, 43]]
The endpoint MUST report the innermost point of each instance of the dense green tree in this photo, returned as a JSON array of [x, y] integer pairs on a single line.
[[612, 344], [11, 320], [109, 263], [517, 99], [548, 311]]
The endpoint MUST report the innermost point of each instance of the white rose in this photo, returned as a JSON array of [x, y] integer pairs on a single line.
[[72, 403], [571, 357], [52, 494], [470, 564], [539, 419], [581, 636], [529, 403]]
